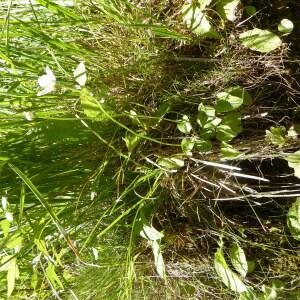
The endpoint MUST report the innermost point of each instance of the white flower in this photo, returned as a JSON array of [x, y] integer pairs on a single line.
[[80, 74], [95, 253], [46, 82], [4, 202], [9, 216]]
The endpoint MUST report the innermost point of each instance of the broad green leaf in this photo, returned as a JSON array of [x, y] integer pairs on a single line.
[[187, 146], [228, 151], [202, 145], [207, 133], [227, 9], [286, 26], [260, 40], [294, 162], [184, 125], [233, 119], [293, 219], [89, 104], [238, 259], [276, 135], [232, 98], [158, 259], [171, 163], [225, 133], [229, 278], [230, 127], [207, 117], [150, 233], [196, 19]]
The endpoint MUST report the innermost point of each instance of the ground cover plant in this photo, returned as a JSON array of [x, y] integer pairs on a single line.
[[149, 149]]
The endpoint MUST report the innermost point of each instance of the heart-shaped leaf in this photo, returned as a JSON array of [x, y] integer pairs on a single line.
[[196, 19], [184, 125], [187, 146], [232, 98], [260, 40], [202, 145]]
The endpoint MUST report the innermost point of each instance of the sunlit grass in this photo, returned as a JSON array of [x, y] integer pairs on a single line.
[[91, 95]]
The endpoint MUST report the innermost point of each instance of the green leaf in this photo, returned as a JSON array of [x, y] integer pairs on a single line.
[[228, 151], [230, 127], [250, 294], [207, 133], [14, 241], [187, 146], [5, 224], [293, 219], [251, 266], [232, 98], [250, 10], [52, 276], [184, 125], [150, 233], [131, 141], [276, 135], [12, 275], [229, 278], [196, 20], [89, 104], [260, 40], [294, 162], [227, 9], [171, 163], [9, 263], [207, 117], [286, 26], [158, 259], [202, 145], [270, 293], [238, 259]]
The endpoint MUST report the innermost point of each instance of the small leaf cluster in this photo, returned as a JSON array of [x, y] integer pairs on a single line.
[[221, 122]]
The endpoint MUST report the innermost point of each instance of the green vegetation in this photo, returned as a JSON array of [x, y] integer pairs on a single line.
[[149, 149]]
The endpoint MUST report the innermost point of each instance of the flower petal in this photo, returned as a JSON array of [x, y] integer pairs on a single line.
[[80, 74]]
